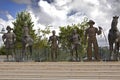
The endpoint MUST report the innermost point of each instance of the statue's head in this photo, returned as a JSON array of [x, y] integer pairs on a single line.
[[114, 22], [115, 17], [91, 22], [53, 32], [75, 31], [8, 28]]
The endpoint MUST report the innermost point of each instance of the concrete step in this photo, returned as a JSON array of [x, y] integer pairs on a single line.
[[59, 70], [50, 79], [60, 77]]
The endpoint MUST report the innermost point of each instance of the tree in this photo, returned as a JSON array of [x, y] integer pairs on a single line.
[[22, 19], [42, 39], [65, 32]]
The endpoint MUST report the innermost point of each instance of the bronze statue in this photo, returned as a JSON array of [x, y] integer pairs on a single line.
[[114, 37], [27, 42], [54, 45], [75, 44], [9, 39], [91, 34]]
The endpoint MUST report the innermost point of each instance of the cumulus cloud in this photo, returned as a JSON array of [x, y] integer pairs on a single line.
[[63, 12], [9, 17], [9, 21]]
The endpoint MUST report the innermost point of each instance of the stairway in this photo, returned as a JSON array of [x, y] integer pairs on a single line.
[[59, 70]]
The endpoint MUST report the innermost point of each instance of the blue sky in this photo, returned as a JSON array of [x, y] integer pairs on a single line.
[[8, 6], [61, 12]]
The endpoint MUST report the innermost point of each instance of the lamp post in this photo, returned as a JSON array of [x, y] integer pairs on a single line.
[[1, 32], [3, 29]]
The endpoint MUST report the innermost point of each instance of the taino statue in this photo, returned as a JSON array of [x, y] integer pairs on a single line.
[[54, 40], [27, 42], [90, 33], [75, 44], [9, 39], [114, 38]]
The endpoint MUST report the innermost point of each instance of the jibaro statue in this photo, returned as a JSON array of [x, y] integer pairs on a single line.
[[75, 44], [54, 40], [27, 42], [9, 39], [91, 34]]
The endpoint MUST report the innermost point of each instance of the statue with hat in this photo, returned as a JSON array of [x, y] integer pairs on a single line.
[[54, 40], [90, 34], [9, 39]]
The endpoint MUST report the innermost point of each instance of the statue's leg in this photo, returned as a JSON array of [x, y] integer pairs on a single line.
[[111, 50], [89, 50], [117, 55], [30, 48], [56, 53], [7, 53], [116, 51], [72, 52], [13, 52], [23, 52], [52, 52], [76, 49], [95, 45]]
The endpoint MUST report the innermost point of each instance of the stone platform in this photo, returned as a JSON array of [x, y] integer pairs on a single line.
[[59, 70]]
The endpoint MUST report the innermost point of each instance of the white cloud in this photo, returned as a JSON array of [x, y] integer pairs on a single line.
[[9, 16], [35, 19], [94, 2], [7, 22], [56, 13]]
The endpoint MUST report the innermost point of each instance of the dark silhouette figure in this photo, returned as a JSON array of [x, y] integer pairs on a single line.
[[114, 38], [91, 34], [54, 41], [27, 42], [9, 39], [75, 44]]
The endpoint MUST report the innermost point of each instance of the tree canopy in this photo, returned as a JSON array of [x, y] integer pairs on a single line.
[[23, 18], [66, 31]]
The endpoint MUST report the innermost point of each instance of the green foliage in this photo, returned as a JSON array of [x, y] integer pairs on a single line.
[[66, 31], [23, 18], [2, 50], [42, 39]]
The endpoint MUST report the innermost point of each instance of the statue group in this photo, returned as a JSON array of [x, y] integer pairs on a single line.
[[9, 39]]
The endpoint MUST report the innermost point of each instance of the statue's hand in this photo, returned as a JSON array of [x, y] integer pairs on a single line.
[[100, 28], [26, 45]]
